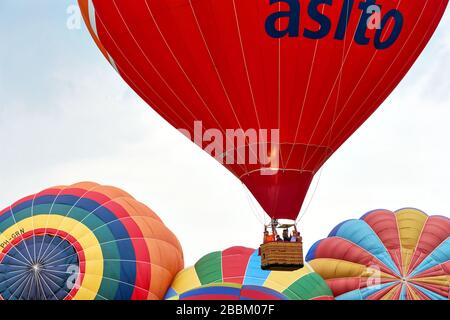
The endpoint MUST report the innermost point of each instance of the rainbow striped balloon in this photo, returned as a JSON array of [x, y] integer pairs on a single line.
[[402, 255], [85, 241], [236, 274]]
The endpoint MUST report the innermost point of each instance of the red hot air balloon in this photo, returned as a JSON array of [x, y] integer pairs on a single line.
[[313, 69]]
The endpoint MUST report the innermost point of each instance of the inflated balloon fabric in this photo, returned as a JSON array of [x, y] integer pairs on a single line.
[[314, 70], [85, 241], [236, 274], [401, 255]]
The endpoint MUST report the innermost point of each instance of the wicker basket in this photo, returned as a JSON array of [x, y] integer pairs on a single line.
[[283, 256]]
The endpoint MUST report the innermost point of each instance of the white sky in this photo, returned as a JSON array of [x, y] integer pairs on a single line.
[[66, 116]]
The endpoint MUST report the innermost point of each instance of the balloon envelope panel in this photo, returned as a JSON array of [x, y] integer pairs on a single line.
[[228, 291], [401, 255], [237, 271], [222, 63], [85, 241]]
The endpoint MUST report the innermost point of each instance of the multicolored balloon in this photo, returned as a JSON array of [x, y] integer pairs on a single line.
[[230, 291], [314, 70], [236, 273], [402, 255], [83, 242]]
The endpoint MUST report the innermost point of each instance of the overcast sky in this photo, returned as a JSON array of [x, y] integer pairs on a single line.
[[66, 116]]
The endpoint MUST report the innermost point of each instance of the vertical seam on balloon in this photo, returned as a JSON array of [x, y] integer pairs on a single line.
[[304, 100], [400, 257], [397, 292], [402, 292], [311, 271], [279, 74], [64, 238], [26, 286], [367, 98], [39, 282], [32, 226], [214, 64], [244, 59], [140, 75], [414, 293], [321, 114], [216, 70], [179, 65], [370, 63], [249, 258], [84, 218], [409, 295], [280, 154], [338, 81], [385, 73], [221, 267], [343, 130], [41, 277], [384, 246], [65, 216], [15, 222], [287, 287], [306, 93], [29, 291], [46, 254], [408, 269], [341, 74], [102, 205], [27, 279], [123, 74], [22, 274], [46, 222], [171, 52], [60, 191], [21, 236], [174, 57], [346, 103]]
